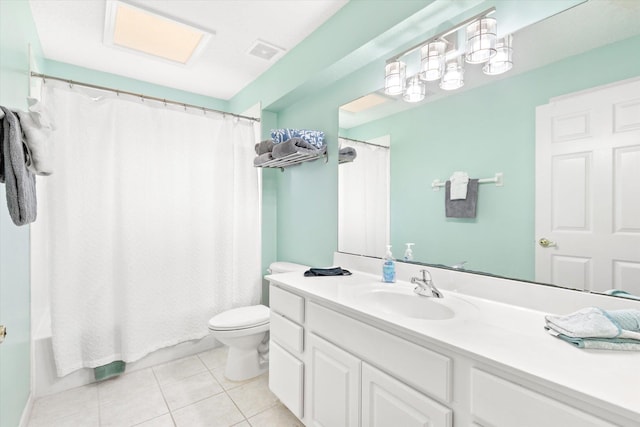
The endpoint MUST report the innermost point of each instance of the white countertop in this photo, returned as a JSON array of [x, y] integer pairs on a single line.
[[511, 336]]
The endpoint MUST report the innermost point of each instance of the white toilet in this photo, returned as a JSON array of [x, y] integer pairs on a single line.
[[245, 331]]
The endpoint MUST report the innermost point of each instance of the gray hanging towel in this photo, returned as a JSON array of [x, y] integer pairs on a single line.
[[20, 182], [463, 208]]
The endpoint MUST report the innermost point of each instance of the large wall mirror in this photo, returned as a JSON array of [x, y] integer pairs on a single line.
[[488, 127]]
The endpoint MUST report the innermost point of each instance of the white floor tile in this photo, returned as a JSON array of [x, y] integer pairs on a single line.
[[227, 384], [65, 405], [179, 369], [242, 424], [253, 397], [216, 411], [132, 409], [277, 416], [131, 384], [215, 358], [84, 417], [189, 390], [163, 421]]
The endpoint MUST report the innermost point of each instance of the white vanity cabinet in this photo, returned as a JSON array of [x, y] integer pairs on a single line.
[[334, 366]]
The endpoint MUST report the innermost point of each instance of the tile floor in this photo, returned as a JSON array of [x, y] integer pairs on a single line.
[[189, 392]]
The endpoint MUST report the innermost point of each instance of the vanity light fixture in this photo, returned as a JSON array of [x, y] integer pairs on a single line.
[[432, 60], [481, 40], [503, 59], [394, 77], [415, 90], [453, 77], [480, 46]]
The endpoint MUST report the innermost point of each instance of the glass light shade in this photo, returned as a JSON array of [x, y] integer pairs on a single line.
[[503, 60], [432, 61], [481, 40], [415, 90], [394, 78], [453, 77]]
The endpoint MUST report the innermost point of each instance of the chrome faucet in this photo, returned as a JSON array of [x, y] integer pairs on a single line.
[[425, 287]]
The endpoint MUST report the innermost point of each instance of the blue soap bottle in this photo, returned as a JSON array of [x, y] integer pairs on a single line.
[[389, 267]]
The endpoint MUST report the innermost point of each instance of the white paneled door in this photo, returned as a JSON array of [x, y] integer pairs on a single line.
[[588, 189]]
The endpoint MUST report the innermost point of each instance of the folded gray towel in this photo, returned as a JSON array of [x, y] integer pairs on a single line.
[[347, 154], [20, 182], [463, 208], [262, 158], [265, 146], [36, 127], [292, 146]]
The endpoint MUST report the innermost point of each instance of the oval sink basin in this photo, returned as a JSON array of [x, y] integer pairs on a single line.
[[406, 304]]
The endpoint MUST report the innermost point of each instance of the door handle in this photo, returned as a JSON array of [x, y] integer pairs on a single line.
[[546, 243], [3, 333]]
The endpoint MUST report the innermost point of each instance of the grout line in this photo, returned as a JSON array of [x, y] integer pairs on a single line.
[[163, 398]]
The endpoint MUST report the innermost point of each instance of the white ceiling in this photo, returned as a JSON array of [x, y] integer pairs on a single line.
[[71, 31]]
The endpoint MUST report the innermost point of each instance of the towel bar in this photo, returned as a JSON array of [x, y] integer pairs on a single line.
[[497, 178]]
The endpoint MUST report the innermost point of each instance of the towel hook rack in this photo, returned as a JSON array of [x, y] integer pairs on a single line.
[[498, 179]]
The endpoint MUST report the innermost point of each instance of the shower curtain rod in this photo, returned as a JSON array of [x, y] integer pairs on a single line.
[[363, 142], [44, 78]]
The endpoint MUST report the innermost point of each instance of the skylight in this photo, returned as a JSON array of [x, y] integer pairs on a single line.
[[137, 29]]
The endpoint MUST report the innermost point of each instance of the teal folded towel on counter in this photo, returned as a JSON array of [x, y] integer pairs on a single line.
[[593, 327]]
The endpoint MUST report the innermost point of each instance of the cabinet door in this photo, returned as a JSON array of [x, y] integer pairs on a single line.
[[286, 374], [389, 402], [334, 385]]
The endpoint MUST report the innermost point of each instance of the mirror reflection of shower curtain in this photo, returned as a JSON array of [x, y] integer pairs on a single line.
[[149, 225], [363, 199]]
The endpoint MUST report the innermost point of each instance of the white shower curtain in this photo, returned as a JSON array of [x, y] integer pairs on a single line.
[[363, 199], [150, 224]]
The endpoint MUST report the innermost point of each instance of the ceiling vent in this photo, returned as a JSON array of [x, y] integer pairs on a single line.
[[264, 50]]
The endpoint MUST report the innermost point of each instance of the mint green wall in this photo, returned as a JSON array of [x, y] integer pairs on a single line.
[[17, 30], [483, 131]]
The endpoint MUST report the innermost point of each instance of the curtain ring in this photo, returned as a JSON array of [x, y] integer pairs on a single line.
[[117, 93], [165, 102], [204, 111], [70, 84], [141, 98], [185, 107]]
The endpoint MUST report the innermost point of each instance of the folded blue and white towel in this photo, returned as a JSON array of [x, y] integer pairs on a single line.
[[594, 327], [313, 137]]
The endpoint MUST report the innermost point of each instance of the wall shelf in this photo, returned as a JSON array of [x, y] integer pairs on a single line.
[[293, 159]]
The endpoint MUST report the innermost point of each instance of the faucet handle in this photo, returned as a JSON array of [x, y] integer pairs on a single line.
[[426, 273]]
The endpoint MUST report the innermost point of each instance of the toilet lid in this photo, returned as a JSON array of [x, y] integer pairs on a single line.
[[240, 318]]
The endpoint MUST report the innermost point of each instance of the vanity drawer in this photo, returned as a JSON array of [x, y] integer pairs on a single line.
[[287, 304], [501, 403], [286, 379], [287, 333], [421, 368]]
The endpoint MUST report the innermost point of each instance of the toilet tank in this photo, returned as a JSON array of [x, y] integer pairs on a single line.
[[286, 267]]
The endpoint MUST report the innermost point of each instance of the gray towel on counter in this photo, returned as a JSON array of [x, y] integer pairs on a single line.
[[294, 145], [263, 147], [20, 182], [347, 154], [262, 158], [36, 127], [463, 208]]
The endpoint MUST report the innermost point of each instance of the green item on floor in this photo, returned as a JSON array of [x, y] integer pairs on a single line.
[[109, 370]]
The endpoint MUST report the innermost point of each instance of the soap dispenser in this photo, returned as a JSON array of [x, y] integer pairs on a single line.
[[389, 267], [408, 253]]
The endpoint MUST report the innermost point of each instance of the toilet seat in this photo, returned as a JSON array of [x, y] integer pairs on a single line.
[[240, 318]]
